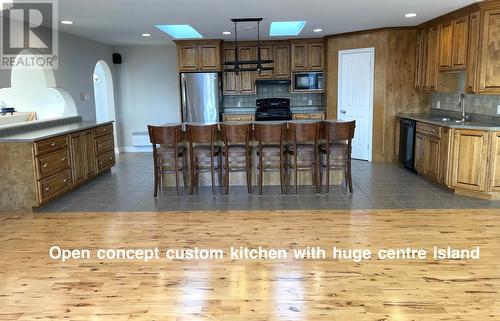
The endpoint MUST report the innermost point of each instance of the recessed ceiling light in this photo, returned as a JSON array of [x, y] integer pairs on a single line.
[[410, 15], [146, 35], [286, 28], [180, 31], [66, 22], [226, 32], [317, 30]]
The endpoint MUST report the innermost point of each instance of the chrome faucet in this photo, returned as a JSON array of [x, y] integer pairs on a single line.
[[461, 105]]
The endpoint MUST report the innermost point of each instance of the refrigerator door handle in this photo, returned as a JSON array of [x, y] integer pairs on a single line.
[[184, 99]]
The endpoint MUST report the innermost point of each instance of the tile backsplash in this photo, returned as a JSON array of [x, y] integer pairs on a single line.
[[477, 105], [246, 103]]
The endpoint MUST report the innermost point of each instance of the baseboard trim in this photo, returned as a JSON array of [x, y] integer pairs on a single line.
[[134, 149]]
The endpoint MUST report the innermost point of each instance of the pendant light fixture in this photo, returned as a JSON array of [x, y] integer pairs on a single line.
[[238, 65]]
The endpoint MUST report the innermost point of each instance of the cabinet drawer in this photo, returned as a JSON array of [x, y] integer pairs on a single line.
[[103, 130], [53, 186], [50, 145], [317, 116], [429, 129], [244, 117], [52, 163], [104, 144], [105, 161]]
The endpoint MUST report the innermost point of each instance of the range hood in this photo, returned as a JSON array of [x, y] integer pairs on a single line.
[[237, 65], [273, 82]]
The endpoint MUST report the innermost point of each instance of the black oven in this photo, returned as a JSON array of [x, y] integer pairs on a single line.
[[307, 82]]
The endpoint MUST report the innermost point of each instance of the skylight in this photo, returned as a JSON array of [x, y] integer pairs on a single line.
[[180, 31], [286, 28]]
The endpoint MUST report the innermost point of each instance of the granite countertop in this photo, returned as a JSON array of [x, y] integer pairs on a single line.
[[438, 120], [39, 134]]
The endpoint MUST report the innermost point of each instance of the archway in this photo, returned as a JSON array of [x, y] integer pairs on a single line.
[[33, 89], [104, 93]]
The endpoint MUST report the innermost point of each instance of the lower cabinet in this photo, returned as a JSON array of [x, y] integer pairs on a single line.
[[470, 154], [428, 151], [465, 160], [313, 116], [83, 159], [67, 161]]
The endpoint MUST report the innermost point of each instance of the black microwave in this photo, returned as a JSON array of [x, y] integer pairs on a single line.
[[307, 81]]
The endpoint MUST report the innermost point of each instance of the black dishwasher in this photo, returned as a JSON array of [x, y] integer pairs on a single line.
[[407, 143]]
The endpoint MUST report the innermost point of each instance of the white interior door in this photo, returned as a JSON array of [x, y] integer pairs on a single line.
[[355, 97]]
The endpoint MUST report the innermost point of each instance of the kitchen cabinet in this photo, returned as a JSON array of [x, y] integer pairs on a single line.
[[428, 150], [280, 54], [460, 47], [200, 55], [468, 39], [470, 149], [313, 116], [238, 117], [431, 58], [472, 53], [445, 45], [444, 156], [307, 55], [489, 53], [82, 156], [242, 83], [453, 38]]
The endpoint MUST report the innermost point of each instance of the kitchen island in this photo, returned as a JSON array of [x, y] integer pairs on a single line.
[[42, 164], [462, 156]]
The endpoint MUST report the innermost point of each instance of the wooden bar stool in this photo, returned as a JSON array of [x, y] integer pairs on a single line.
[[270, 151], [204, 154], [166, 153], [304, 150], [237, 152], [337, 148]]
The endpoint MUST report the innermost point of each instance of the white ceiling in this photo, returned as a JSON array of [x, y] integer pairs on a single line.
[[121, 22]]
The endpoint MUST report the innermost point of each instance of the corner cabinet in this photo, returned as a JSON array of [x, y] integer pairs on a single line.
[[468, 39], [195, 56]]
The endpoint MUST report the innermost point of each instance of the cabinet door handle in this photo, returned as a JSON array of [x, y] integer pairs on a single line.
[[99, 145], [238, 118], [63, 159], [111, 158], [53, 144], [47, 188], [45, 165], [100, 162], [65, 180]]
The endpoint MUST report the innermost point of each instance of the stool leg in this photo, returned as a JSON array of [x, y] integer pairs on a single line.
[[349, 175], [328, 172], [176, 172], [155, 169], [295, 171], [249, 174]]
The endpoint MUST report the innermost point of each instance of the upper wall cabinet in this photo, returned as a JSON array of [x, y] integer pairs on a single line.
[[280, 53], [489, 53], [242, 83], [198, 55], [468, 40], [308, 55], [453, 37]]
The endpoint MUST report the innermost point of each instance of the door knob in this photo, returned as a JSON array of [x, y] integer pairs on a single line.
[[343, 111]]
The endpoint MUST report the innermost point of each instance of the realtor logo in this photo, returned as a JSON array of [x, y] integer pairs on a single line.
[[29, 36]]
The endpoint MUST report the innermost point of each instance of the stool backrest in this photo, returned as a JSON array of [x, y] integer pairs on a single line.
[[202, 134], [270, 133], [236, 133], [303, 132], [165, 135], [338, 131]]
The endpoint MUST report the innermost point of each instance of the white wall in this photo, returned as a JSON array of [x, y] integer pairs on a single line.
[[147, 90], [77, 60]]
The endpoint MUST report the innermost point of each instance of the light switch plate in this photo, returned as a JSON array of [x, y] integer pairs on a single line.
[[438, 106], [498, 109], [310, 102]]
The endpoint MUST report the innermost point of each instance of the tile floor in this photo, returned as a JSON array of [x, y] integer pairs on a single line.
[[129, 187]]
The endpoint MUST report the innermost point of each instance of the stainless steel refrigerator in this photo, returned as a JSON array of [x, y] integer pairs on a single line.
[[200, 95]]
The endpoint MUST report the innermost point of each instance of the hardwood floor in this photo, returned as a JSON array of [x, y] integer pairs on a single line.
[[34, 287]]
